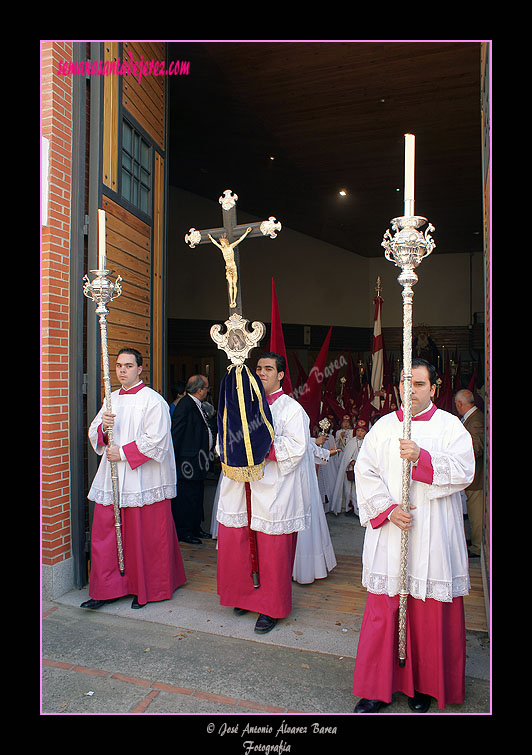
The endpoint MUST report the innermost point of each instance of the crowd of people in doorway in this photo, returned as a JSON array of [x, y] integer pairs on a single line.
[[162, 454]]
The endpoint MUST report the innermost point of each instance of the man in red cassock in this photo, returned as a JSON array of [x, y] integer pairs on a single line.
[[142, 450], [442, 464], [280, 503]]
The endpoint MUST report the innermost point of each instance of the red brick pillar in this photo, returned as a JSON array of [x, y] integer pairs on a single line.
[[55, 251]]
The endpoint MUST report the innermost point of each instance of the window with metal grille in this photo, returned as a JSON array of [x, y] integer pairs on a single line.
[[136, 168]]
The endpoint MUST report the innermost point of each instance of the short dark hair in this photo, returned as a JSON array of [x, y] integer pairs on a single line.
[[136, 354], [433, 375], [178, 388], [195, 384], [280, 361]]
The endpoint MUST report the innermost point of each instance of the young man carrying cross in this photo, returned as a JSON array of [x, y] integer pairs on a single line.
[[280, 508]]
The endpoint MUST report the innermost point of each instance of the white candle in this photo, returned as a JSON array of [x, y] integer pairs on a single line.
[[101, 239], [410, 151]]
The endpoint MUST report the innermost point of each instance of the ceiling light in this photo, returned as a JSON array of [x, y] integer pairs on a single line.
[[342, 192]]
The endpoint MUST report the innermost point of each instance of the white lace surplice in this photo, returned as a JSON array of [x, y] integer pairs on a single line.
[[437, 552], [281, 499], [142, 417]]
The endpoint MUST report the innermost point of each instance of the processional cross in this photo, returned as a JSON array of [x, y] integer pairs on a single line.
[[238, 340]]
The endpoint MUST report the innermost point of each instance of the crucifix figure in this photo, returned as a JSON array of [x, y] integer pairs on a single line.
[[227, 238], [231, 271]]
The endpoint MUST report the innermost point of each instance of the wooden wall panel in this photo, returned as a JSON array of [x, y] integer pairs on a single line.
[[145, 99], [128, 244], [157, 265], [110, 121], [135, 249]]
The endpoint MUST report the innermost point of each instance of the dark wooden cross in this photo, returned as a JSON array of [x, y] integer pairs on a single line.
[[225, 237]]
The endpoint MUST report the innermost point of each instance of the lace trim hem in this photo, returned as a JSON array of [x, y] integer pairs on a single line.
[[145, 498], [381, 584], [285, 527]]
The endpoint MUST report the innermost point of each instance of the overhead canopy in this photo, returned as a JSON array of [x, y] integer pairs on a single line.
[[333, 116]]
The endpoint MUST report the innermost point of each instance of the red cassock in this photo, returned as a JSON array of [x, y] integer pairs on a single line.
[[152, 559], [435, 650], [276, 560], [435, 628], [276, 553]]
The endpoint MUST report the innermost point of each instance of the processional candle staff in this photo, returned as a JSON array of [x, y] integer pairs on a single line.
[[407, 248], [102, 291]]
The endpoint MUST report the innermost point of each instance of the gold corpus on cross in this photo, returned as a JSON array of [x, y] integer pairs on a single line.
[[238, 339], [227, 238], [231, 271]]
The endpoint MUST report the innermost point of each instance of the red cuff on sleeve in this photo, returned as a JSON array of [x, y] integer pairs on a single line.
[[423, 472], [133, 455], [271, 454], [102, 439], [383, 517]]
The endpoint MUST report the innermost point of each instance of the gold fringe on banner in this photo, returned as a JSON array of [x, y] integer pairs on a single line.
[[244, 474]]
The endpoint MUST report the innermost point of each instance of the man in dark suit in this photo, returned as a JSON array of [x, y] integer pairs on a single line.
[[192, 439], [473, 420]]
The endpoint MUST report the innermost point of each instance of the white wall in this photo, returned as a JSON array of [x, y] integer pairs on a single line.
[[442, 293], [316, 283]]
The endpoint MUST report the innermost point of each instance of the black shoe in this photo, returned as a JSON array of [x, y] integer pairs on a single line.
[[265, 624], [91, 603], [135, 603], [204, 535], [420, 703], [240, 611], [369, 706], [190, 539], [473, 555]]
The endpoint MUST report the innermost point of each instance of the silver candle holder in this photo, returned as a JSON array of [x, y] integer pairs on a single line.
[[102, 291], [406, 248]]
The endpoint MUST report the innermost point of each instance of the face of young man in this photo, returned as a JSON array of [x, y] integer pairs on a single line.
[[127, 370], [422, 390], [267, 372]]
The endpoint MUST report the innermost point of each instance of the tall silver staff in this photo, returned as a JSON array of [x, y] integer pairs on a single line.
[[102, 291], [407, 248]]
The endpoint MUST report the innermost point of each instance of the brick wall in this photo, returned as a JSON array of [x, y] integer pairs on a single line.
[[55, 248]]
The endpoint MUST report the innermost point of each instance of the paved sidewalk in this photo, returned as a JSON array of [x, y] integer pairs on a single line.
[[110, 662], [189, 655]]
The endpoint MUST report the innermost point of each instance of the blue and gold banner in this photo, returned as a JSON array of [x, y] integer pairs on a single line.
[[245, 425]]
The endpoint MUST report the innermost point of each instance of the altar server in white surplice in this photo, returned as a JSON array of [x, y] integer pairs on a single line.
[[442, 464], [327, 473], [344, 496], [142, 449], [345, 433], [281, 507]]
